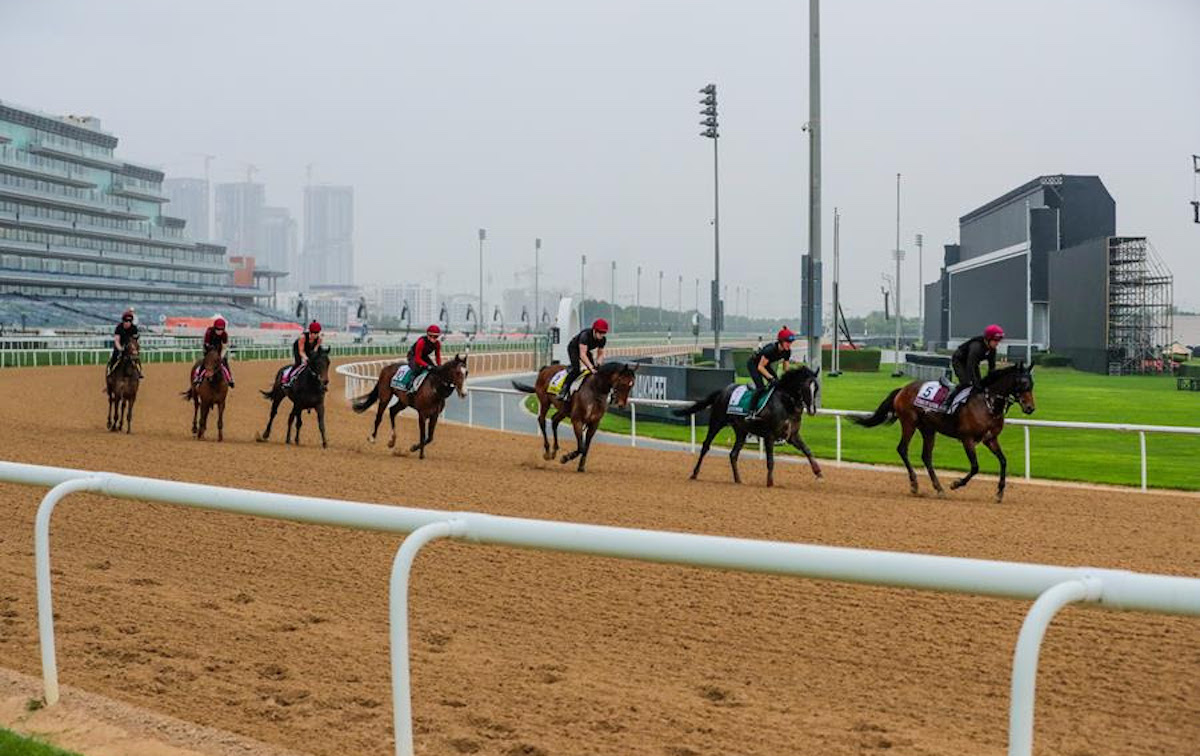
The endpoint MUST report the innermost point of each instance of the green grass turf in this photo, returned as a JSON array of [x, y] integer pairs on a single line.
[[1061, 393], [12, 744]]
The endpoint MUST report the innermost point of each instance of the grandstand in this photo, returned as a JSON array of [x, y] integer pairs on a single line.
[[22, 312]]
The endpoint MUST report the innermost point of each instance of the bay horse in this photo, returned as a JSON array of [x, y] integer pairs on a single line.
[[978, 421], [795, 393], [307, 392], [429, 400], [121, 384], [611, 383], [212, 389]]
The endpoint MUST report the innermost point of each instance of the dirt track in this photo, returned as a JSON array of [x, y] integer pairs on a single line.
[[278, 631]]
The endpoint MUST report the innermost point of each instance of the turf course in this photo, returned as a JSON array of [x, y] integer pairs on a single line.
[[1062, 394], [12, 744]]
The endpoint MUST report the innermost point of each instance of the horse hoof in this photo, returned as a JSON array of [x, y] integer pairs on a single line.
[[414, 447], [324, 445], [941, 494], [819, 475], [547, 455], [956, 485], [1000, 498], [370, 439], [259, 438], [392, 444]]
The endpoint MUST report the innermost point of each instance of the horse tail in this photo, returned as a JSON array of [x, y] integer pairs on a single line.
[[188, 395], [886, 413], [696, 407], [524, 388], [268, 394], [363, 402]]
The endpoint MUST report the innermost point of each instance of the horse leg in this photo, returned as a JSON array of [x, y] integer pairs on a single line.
[[292, 417], [204, 409], [577, 425], [433, 420], [738, 442], [769, 448], [121, 403], [195, 413], [299, 421], [320, 424], [384, 398], [221, 420], [993, 444], [587, 445], [928, 437], [543, 407], [111, 422], [392, 418], [275, 401], [798, 442], [554, 421], [714, 427], [907, 428], [129, 416], [420, 445], [969, 448]]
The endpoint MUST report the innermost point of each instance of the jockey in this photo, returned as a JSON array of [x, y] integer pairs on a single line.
[[125, 332], [425, 353], [970, 353], [761, 363], [579, 351], [216, 337], [304, 347]]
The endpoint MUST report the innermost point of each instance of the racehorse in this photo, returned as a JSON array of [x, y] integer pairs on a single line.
[[979, 420], [212, 389], [429, 400], [587, 405], [122, 386], [307, 392], [795, 393]]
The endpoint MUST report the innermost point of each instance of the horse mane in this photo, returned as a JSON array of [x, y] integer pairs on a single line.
[[608, 368], [1002, 373], [792, 379]]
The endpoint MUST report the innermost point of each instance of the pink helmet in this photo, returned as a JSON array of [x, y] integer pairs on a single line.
[[993, 332]]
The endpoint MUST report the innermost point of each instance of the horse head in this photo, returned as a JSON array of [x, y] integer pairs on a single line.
[[320, 366], [623, 379], [802, 385], [1022, 388], [455, 372]]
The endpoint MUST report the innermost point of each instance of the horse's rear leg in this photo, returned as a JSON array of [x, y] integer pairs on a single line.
[[392, 418], [928, 438], [993, 443], [907, 428], [554, 421], [293, 418], [420, 445], [276, 398], [320, 424], [221, 421], [385, 396], [577, 425], [969, 448], [111, 421], [195, 414], [714, 427], [129, 416], [543, 407], [769, 448], [204, 409], [738, 442]]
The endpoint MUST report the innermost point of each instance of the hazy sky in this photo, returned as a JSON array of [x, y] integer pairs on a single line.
[[577, 121]]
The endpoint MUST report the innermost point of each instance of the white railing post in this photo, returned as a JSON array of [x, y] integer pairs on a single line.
[[1025, 658], [692, 422], [41, 558], [501, 397], [1142, 439], [1028, 470], [632, 424], [398, 620], [470, 408], [838, 435]]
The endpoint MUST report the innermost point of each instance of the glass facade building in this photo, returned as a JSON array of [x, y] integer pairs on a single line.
[[79, 223]]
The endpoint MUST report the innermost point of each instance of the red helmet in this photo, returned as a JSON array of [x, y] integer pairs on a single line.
[[600, 325], [433, 330], [314, 327], [993, 332], [127, 315], [219, 323], [785, 334]]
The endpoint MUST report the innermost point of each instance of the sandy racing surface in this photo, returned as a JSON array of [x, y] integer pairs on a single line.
[[278, 631]]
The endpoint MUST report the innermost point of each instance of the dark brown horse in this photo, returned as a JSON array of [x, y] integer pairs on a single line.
[[429, 400], [795, 393], [212, 389], [611, 383], [307, 392], [978, 421], [121, 385]]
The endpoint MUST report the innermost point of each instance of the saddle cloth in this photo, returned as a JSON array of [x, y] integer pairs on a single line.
[[403, 377], [224, 370], [933, 395], [742, 397], [556, 387]]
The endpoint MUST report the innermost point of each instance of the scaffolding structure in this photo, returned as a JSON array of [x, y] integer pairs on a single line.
[[1140, 305]]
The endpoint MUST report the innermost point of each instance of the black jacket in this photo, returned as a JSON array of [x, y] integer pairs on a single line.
[[967, 357]]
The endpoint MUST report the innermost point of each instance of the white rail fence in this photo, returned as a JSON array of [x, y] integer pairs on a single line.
[[1050, 587], [838, 416]]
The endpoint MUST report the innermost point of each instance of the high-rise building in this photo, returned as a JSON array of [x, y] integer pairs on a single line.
[[278, 249], [240, 217], [189, 200], [328, 257]]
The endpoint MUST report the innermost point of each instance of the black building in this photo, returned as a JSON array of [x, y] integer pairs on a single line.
[[1102, 300]]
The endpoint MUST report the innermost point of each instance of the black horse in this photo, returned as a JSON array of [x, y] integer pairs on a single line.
[[307, 392], [779, 418]]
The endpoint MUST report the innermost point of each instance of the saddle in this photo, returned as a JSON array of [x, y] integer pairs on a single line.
[[934, 396], [403, 380], [742, 401], [556, 387]]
